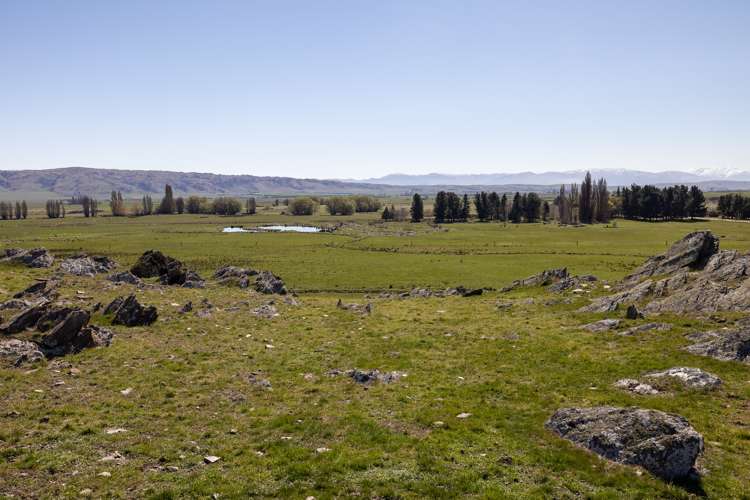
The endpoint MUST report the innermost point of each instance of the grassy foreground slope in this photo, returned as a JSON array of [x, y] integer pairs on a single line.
[[313, 434]]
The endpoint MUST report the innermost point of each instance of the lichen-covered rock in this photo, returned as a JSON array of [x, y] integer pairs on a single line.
[[36, 257], [692, 377], [367, 377], [14, 304], [572, 282], [646, 327], [612, 302], [358, 308], [84, 265], [635, 386], [130, 312], [664, 444], [18, 352], [266, 311], [269, 283]]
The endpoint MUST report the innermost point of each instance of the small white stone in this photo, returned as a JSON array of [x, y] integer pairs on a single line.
[[463, 415]]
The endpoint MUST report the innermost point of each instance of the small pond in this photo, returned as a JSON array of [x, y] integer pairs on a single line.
[[274, 229]]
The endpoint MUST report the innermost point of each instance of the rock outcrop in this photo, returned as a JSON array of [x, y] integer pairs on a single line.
[[24, 320], [235, 276], [125, 277], [36, 257], [358, 308], [664, 444], [546, 277], [129, 312], [725, 345], [602, 325], [84, 265], [170, 271], [635, 386], [269, 283], [692, 276]]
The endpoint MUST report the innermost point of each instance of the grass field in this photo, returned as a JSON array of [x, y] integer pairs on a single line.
[[192, 391]]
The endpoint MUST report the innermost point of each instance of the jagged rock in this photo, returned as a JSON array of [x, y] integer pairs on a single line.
[[691, 377], [602, 325], [612, 302], [468, 292], [36, 257], [25, 319], [32, 290], [130, 312], [266, 311], [52, 316], [151, 264], [18, 352], [664, 444], [63, 338], [267, 282], [125, 277], [633, 313], [367, 377], [645, 328], [634, 386], [230, 275], [359, 308], [424, 293], [113, 306], [83, 265], [544, 278], [691, 252], [725, 345], [13, 304], [255, 379], [187, 307]]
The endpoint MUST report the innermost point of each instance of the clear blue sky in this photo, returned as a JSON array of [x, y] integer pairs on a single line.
[[363, 88]]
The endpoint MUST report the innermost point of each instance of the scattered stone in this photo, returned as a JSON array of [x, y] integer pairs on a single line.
[[322, 449], [36, 257], [170, 271], [724, 345], [127, 391], [635, 386], [367, 377], [105, 474], [13, 304], [86, 492], [255, 379], [664, 444], [211, 459], [116, 430], [113, 457], [633, 313], [694, 378], [268, 283], [125, 277], [463, 415], [130, 312], [19, 352], [645, 328], [187, 307], [83, 265], [602, 325], [67, 336], [291, 301], [266, 311], [358, 308]]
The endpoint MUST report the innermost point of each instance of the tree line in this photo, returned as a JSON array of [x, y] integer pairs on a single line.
[[669, 203], [10, 210], [734, 206]]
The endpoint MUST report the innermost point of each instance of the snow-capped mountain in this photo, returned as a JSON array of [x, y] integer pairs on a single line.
[[615, 177]]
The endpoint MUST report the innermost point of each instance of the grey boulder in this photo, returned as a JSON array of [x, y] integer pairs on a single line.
[[664, 444]]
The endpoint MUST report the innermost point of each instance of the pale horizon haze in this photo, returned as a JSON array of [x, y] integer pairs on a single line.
[[356, 89]]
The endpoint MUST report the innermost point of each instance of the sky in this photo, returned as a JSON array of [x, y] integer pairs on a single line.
[[360, 89]]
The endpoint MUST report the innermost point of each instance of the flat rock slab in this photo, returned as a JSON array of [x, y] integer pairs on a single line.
[[646, 327], [635, 386], [602, 325], [691, 377], [664, 444]]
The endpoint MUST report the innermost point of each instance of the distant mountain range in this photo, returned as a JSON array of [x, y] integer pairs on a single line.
[[615, 177], [64, 182]]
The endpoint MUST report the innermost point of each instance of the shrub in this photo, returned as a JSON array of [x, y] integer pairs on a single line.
[[302, 206], [226, 206], [339, 205]]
